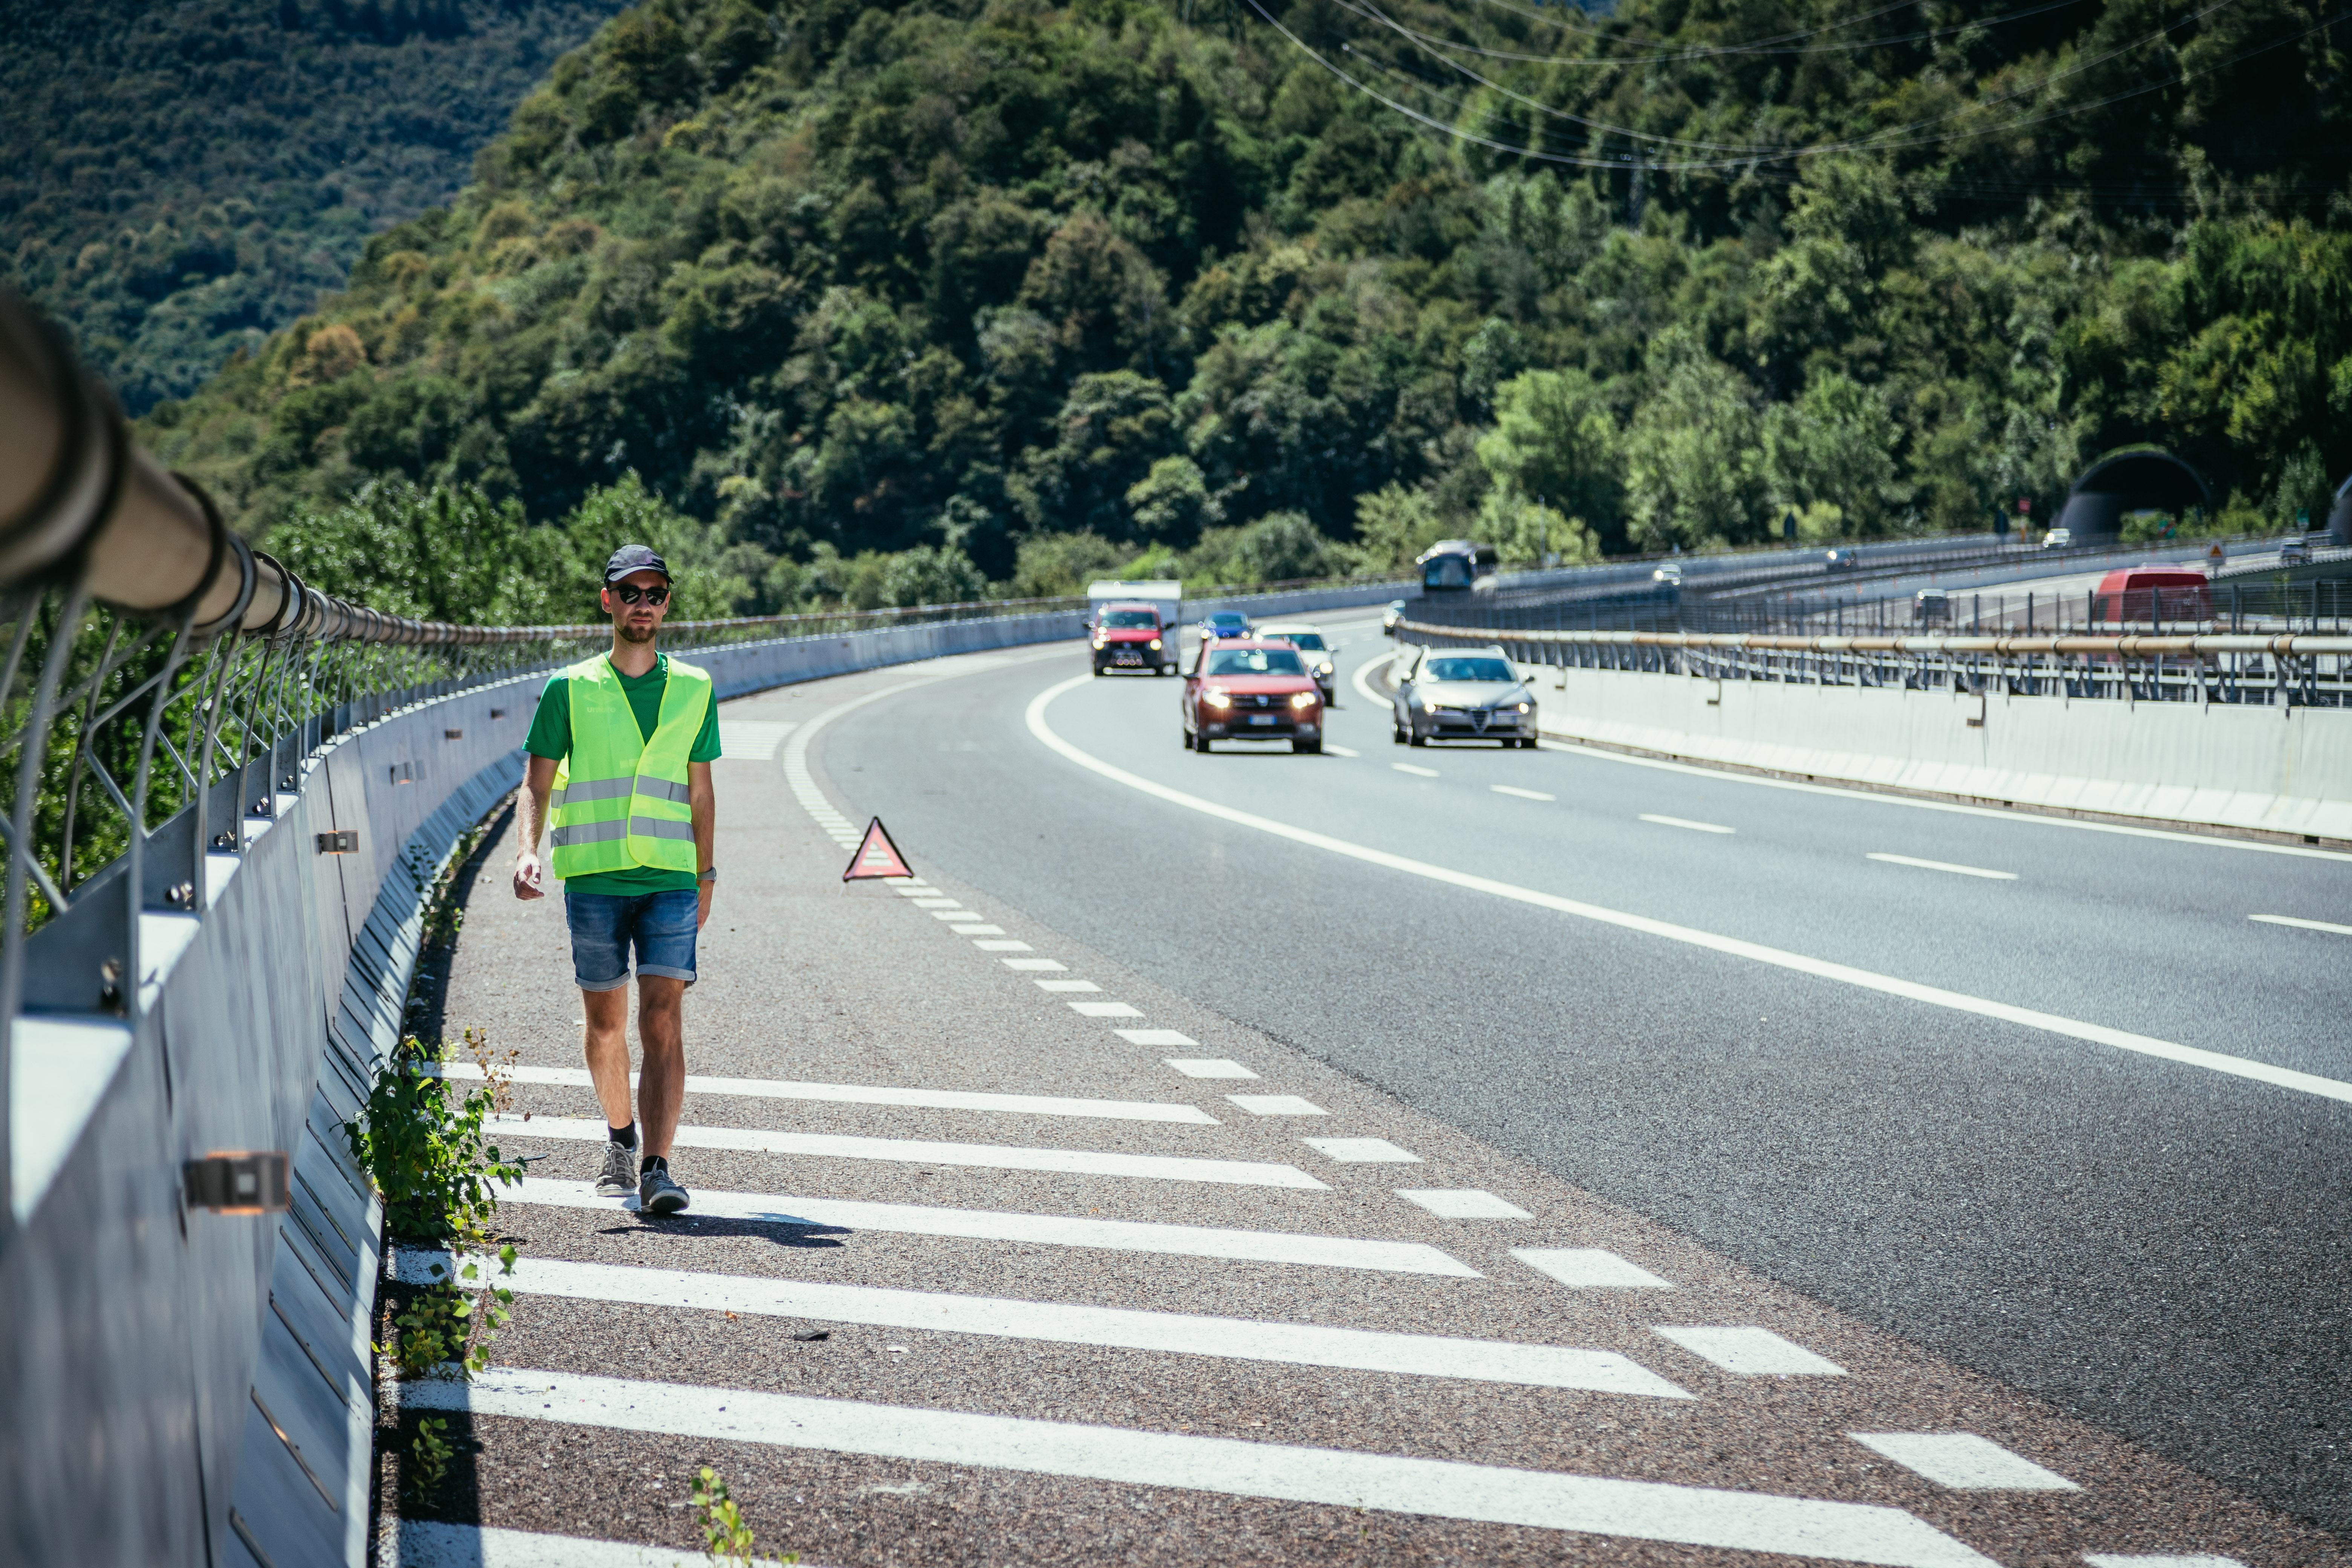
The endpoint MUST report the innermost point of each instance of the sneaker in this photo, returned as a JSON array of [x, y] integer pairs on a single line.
[[657, 1194], [620, 1174]]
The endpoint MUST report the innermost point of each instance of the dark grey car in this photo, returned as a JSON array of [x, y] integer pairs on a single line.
[[1462, 694]]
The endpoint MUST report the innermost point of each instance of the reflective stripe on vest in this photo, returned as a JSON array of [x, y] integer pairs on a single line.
[[622, 798]]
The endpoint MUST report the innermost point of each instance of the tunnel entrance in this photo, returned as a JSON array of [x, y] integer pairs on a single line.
[[2115, 486]]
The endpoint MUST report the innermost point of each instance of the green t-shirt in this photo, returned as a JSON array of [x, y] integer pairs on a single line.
[[551, 736]]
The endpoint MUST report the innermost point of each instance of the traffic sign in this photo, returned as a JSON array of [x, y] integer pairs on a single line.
[[878, 856]]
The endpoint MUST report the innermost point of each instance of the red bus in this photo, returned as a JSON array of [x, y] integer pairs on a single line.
[[2148, 594]]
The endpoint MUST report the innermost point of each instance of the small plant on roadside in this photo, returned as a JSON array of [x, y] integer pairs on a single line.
[[429, 1457], [727, 1538], [428, 1158], [442, 1325]]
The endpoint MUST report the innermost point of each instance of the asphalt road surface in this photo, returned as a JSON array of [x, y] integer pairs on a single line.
[[1621, 1141]]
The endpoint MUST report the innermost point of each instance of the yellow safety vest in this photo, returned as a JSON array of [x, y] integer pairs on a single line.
[[621, 798]]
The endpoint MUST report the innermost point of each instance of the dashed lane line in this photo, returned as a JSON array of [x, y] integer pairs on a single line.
[[1278, 1105], [1208, 1067], [1055, 1323], [873, 1094], [1841, 973], [1647, 1510], [1155, 1036], [1416, 771], [1463, 1203], [1590, 1268], [1362, 1151], [981, 930], [1747, 1351], [927, 1151], [1058, 986], [1036, 1229], [1516, 792], [1963, 1461], [1104, 1009], [1002, 944], [1039, 965], [1941, 865], [1686, 822], [2301, 924]]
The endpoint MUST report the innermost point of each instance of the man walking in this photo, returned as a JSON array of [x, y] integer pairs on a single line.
[[623, 743]]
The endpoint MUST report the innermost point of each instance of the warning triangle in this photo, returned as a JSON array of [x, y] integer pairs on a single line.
[[878, 856]]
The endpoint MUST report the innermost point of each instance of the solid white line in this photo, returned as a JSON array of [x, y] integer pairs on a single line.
[[429, 1544], [1729, 775], [1208, 1067], [926, 1152], [2303, 925], [871, 1094], [1647, 1510], [1942, 866], [1181, 1333], [1522, 794], [1590, 1268], [1964, 1461], [1360, 1152], [1041, 1229], [1419, 772], [1749, 1352], [1686, 822], [1463, 1203], [1934, 995], [1104, 1009]]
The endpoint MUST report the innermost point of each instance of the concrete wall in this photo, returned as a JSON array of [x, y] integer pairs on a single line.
[[2274, 770]]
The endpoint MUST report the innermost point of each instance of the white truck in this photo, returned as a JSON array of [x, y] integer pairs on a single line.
[[1116, 631]]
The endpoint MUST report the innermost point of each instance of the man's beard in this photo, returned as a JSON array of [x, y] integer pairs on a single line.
[[628, 633]]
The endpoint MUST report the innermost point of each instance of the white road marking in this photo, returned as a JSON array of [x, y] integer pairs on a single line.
[[1463, 1203], [1360, 1152], [2302, 925], [927, 1151], [1521, 793], [1208, 1067], [873, 1094], [980, 930], [1341, 751], [1749, 1352], [2125, 1560], [1590, 1268], [1964, 1461], [1155, 1037], [1420, 772], [1003, 946], [1729, 775], [1068, 986], [928, 900], [429, 1544], [1648, 1511], [1942, 866], [954, 913], [1104, 1010], [1846, 975], [1026, 965], [1277, 1105], [1181, 1333], [1039, 1229], [1685, 822]]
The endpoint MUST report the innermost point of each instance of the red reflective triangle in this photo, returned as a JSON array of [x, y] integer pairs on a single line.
[[878, 856]]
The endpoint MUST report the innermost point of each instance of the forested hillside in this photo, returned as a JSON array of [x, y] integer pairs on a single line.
[[182, 179], [1033, 289]]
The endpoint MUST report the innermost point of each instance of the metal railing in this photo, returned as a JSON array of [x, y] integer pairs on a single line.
[[2294, 669]]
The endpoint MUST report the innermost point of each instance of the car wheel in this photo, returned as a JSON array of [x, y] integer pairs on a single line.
[[1307, 748], [1200, 744], [1396, 732], [1418, 738]]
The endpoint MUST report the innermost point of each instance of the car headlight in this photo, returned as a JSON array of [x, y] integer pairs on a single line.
[[1526, 707], [1303, 700], [1217, 699], [1099, 641], [1155, 645], [1323, 669]]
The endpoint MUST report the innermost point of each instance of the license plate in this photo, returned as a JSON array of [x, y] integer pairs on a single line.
[[1261, 718]]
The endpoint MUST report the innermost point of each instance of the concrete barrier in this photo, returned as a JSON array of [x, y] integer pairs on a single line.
[[2268, 770]]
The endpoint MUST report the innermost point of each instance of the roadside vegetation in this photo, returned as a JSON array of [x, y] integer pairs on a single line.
[[876, 304]]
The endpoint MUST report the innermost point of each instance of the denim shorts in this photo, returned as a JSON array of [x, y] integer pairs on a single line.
[[604, 925]]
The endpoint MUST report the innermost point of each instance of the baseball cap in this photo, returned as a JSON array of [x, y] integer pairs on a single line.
[[634, 558]]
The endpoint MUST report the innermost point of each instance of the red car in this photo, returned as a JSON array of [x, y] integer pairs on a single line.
[[1130, 636], [1251, 689]]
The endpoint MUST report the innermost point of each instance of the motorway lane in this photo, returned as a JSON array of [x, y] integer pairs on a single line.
[[2154, 1245]]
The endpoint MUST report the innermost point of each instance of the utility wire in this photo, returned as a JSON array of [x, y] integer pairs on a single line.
[[1764, 46]]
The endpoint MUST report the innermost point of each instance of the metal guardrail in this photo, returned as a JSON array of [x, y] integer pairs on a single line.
[[2294, 669]]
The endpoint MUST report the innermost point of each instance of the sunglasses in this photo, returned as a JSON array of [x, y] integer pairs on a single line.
[[629, 594]]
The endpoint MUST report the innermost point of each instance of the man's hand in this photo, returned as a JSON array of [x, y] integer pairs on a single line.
[[702, 905], [528, 873]]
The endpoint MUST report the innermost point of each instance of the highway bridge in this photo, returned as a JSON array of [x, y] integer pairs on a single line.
[[1402, 1154]]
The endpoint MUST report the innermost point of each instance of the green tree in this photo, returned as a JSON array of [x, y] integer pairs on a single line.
[[1694, 466], [1555, 437]]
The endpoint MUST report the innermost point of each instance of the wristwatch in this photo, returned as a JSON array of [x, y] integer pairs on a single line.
[[709, 874]]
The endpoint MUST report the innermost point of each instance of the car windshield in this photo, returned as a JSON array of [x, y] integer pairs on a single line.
[[1310, 641], [1254, 661], [1130, 620], [1466, 670]]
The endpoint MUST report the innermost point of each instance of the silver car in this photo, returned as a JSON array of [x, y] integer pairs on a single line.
[[1312, 647], [1462, 694]]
